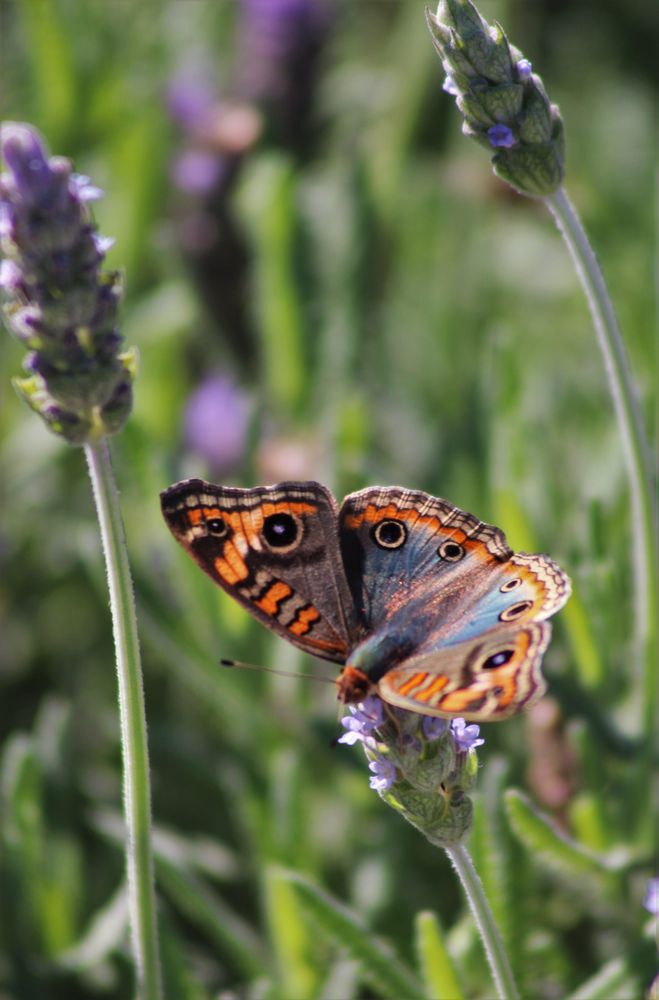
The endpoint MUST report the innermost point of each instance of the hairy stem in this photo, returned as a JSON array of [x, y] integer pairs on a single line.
[[137, 796], [489, 932], [630, 422]]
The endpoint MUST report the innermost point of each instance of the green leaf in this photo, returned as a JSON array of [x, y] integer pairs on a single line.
[[437, 968], [380, 966], [614, 979], [54, 79], [501, 868], [203, 908], [105, 932], [552, 848], [272, 193], [289, 933]]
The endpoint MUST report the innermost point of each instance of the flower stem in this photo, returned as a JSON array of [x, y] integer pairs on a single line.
[[480, 907], [635, 446], [137, 799]]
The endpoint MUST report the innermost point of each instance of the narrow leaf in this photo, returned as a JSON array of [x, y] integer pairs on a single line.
[[552, 848], [613, 980], [380, 966], [437, 968], [290, 937]]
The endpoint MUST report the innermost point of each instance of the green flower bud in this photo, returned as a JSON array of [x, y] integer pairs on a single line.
[[504, 105]]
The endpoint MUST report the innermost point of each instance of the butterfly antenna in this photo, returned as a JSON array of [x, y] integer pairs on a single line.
[[241, 665]]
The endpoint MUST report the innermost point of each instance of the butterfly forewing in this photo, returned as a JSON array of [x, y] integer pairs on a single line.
[[275, 550]]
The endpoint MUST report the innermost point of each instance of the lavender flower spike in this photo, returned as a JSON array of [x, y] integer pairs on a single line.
[[57, 300], [503, 103], [421, 766]]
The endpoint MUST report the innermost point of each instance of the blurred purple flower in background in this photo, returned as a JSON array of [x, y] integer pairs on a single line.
[[651, 901], [216, 420], [192, 94], [196, 170]]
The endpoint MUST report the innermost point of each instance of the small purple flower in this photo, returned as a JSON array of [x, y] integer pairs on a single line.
[[450, 87], [651, 900], [215, 421], [362, 721], [86, 191], [384, 774], [433, 728], [524, 69], [501, 137], [11, 276], [465, 737]]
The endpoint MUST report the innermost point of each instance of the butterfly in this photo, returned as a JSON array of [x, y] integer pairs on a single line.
[[420, 602]]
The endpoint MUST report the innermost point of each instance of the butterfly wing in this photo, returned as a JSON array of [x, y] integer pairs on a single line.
[[438, 590], [483, 679], [275, 550], [437, 575]]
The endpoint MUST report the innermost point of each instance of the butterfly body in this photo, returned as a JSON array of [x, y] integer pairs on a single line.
[[420, 602]]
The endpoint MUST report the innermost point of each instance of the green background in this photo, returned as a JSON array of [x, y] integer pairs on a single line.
[[402, 318]]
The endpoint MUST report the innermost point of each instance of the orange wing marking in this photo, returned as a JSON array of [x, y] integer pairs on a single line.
[[437, 685], [303, 622], [273, 597], [414, 681]]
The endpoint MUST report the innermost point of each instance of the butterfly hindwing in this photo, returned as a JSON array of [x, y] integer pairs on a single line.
[[483, 679], [275, 550]]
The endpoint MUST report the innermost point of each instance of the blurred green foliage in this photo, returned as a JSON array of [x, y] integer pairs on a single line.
[[402, 318]]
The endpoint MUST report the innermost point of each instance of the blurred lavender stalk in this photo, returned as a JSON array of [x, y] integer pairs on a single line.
[[272, 87], [280, 43], [63, 307], [57, 300]]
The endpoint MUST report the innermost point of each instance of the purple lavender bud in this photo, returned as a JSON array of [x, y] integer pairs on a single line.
[[449, 86], [524, 69], [501, 136], [433, 728], [30, 171], [57, 300], [215, 422], [465, 737]]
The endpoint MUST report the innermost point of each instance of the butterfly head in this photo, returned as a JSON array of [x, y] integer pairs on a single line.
[[353, 685]]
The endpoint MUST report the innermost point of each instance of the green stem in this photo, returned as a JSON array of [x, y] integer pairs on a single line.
[[635, 446], [480, 907], [137, 799]]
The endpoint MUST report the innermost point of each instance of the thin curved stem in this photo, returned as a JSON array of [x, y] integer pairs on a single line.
[[628, 414], [480, 907], [137, 795]]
